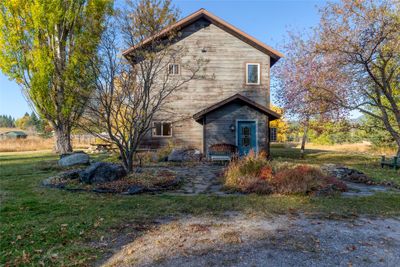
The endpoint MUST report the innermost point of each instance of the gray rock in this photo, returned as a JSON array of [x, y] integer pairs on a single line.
[[101, 172], [135, 189], [77, 158], [184, 155]]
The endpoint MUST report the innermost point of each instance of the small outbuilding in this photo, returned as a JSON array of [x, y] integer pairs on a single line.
[[13, 135]]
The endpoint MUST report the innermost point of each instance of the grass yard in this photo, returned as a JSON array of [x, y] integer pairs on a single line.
[[49, 227], [369, 164]]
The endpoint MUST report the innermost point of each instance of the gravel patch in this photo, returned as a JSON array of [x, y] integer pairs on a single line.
[[239, 240]]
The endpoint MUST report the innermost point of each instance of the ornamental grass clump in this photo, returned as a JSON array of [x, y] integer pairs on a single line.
[[243, 174]]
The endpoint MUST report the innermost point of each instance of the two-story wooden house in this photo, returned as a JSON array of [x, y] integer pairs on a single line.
[[232, 107]]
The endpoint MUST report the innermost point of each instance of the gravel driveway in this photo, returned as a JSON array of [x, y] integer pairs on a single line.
[[239, 240]]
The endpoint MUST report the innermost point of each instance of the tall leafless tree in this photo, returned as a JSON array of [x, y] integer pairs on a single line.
[[128, 94]]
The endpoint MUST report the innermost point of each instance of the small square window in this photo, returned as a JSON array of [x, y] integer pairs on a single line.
[[173, 69], [162, 129], [252, 73]]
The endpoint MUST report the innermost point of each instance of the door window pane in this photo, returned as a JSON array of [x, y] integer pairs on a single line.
[[246, 135]]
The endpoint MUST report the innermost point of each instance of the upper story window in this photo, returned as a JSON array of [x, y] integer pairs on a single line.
[[252, 73], [162, 129], [273, 134], [174, 69]]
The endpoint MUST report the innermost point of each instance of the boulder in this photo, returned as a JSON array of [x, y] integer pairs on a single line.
[[134, 189], [184, 155], [101, 172], [78, 158]]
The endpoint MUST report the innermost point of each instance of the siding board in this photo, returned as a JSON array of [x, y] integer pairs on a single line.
[[227, 56]]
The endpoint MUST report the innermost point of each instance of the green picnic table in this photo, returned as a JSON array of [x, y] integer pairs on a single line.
[[391, 162]]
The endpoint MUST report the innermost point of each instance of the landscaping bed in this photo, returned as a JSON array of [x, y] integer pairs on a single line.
[[104, 177], [255, 174]]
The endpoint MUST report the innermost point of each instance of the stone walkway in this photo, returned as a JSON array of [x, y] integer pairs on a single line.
[[363, 190], [356, 189], [201, 178]]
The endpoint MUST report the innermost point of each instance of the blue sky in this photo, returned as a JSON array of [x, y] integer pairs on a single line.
[[266, 20]]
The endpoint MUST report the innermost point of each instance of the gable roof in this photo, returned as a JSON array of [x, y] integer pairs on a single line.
[[202, 13], [237, 97]]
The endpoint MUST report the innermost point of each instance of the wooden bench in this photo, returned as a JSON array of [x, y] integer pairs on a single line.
[[220, 156], [221, 152], [391, 162]]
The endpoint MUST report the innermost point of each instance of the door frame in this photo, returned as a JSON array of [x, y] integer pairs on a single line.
[[237, 127]]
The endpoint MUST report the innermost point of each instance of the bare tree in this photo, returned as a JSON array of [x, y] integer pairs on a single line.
[[128, 94]]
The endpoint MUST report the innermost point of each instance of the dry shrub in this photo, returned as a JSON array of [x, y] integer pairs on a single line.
[[240, 171], [255, 174], [266, 173], [164, 151], [145, 157], [297, 180]]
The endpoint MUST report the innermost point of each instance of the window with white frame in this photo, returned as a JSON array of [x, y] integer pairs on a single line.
[[173, 69], [162, 129], [252, 73], [273, 134]]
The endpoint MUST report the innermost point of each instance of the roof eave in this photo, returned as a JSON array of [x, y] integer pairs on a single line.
[[271, 114]]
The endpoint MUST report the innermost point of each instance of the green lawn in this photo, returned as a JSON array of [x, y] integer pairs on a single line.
[[41, 226], [368, 164]]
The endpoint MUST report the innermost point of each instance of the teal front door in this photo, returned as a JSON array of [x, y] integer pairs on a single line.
[[246, 137]]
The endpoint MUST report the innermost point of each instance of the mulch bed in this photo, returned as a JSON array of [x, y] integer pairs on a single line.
[[150, 181]]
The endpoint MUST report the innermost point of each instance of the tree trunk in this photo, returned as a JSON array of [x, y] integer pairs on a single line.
[[127, 159], [303, 141], [129, 167], [398, 148], [63, 140]]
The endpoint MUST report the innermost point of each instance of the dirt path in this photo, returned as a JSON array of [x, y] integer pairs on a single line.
[[239, 240]]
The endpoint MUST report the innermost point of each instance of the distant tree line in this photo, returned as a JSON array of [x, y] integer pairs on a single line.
[[331, 132], [7, 121], [29, 122]]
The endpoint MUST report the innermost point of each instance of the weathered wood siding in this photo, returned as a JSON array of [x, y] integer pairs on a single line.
[[225, 76], [218, 122]]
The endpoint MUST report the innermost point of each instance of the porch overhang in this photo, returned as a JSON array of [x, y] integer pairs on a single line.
[[272, 115]]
